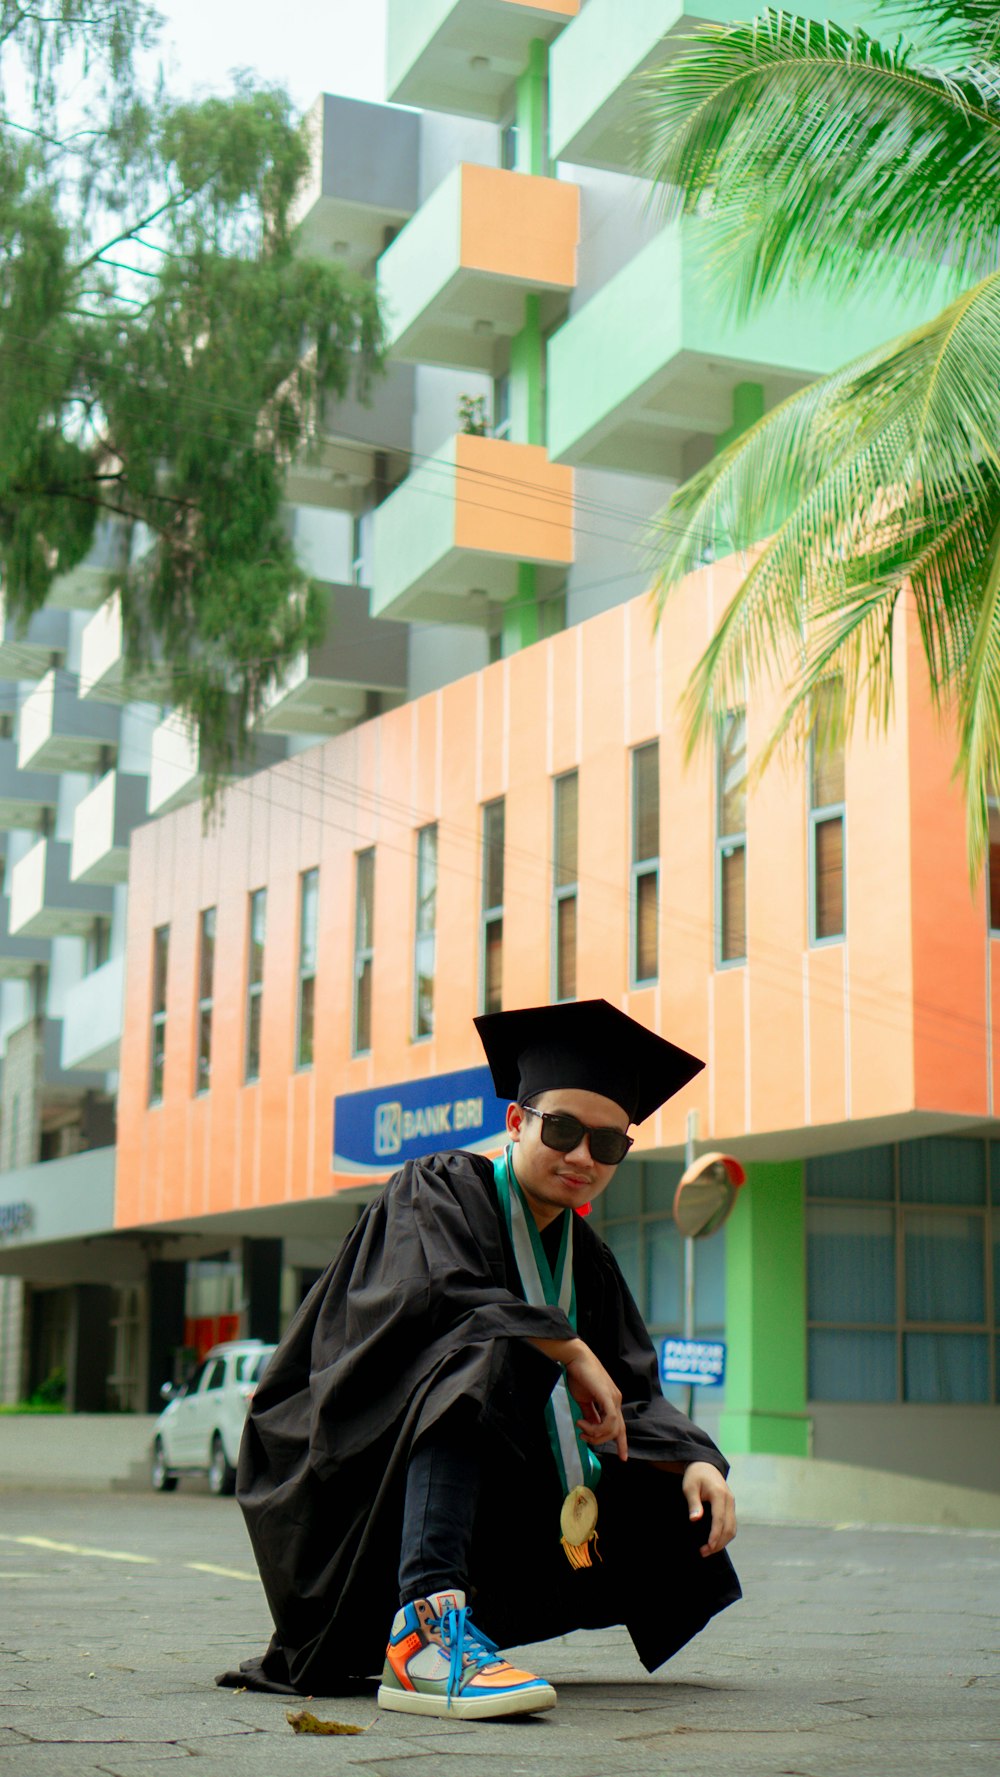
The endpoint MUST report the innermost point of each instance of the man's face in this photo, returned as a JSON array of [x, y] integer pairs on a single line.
[[552, 1181]]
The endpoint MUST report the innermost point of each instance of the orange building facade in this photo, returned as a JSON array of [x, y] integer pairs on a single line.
[[873, 1043]]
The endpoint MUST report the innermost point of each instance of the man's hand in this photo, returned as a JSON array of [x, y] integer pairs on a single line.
[[593, 1390], [703, 1486]]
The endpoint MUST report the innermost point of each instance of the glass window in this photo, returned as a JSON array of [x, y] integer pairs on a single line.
[[645, 897], [731, 838], [564, 886], [161, 946], [912, 1265], [308, 924], [215, 1375], [425, 941], [851, 1264], [947, 1367], [827, 814], [364, 949], [491, 961], [942, 1169], [255, 982], [206, 974]]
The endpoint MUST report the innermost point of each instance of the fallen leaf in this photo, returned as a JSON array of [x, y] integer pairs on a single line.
[[301, 1722]]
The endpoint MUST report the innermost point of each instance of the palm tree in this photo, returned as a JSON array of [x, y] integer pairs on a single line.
[[828, 157]]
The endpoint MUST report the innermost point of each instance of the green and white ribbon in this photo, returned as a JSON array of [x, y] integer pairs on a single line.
[[547, 1288]]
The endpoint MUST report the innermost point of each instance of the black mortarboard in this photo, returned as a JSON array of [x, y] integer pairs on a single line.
[[586, 1045]]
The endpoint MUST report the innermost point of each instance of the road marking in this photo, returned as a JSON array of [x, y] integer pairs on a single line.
[[43, 1542], [226, 1573]]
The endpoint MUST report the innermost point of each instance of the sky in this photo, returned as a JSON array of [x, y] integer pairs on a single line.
[[308, 46]]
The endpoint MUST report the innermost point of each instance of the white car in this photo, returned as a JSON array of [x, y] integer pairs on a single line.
[[200, 1428]]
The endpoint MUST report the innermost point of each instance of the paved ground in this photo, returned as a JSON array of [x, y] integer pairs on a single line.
[[869, 1652]]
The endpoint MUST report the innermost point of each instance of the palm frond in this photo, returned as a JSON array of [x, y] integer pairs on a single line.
[[970, 28], [820, 149], [880, 482]]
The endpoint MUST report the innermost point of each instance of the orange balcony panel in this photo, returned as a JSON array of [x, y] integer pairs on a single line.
[[448, 542], [453, 283]]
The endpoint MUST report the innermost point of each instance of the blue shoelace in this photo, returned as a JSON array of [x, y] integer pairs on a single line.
[[466, 1646]]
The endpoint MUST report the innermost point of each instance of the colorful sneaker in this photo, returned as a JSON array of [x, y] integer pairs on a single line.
[[439, 1663]]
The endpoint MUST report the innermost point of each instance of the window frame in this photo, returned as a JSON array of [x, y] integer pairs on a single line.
[[427, 839], [641, 869], [727, 844], [491, 914], [818, 815], [567, 891], [158, 1016], [364, 954], [305, 975], [255, 987], [205, 1003]]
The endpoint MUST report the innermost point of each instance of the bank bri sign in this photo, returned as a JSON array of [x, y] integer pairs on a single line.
[[376, 1132]]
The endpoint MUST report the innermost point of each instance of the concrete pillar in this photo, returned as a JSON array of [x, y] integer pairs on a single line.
[[766, 1316], [262, 1260], [167, 1278]]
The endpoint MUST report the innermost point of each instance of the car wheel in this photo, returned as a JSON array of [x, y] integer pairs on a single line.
[[163, 1481], [221, 1478]]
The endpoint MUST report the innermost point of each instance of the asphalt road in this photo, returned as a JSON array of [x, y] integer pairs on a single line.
[[855, 1651]]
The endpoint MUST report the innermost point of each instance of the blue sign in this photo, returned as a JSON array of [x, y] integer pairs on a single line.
[[376, 1132], [699, 1362]]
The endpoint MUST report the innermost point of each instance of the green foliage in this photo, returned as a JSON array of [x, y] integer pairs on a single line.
[[163, 352], [51, 1392], [825, 157]]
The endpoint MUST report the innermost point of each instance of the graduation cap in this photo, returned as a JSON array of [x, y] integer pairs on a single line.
[[584, 1045]]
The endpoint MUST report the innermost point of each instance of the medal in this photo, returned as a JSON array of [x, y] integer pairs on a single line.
[[578, 1523]]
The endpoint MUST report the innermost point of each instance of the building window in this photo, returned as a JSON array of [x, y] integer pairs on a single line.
[[364, 952], [255, 983], [731, 838], [826, 816], [901, 1293], [206, 973], [161, 946], [425, 932], [508, 146], [501, 406], [308, 928], [644, 899], [491, 948], [565, 873]]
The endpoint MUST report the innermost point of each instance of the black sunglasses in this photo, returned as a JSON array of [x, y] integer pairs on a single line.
[[563, 1133]]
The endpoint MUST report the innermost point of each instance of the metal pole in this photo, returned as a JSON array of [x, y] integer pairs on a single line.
[[689, 1157]]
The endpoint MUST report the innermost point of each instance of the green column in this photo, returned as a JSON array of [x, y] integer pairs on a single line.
[[521, 613], [748, 408], [766, 1316], [530, 111], [527, 393]]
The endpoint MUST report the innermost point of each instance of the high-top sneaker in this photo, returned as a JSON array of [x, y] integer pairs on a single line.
[[439, 1663]]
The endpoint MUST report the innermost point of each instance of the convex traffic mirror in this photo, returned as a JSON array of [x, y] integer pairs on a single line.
[[706, 1194]]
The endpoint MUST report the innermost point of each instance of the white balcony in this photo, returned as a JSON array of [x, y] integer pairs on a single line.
[[19, 956], [351, 443], [27, 650], [177, 773], [465, 56], [93, 1013], [59, 731], [87, 585], [102, 828], [46, 903], [326, 689], [363, 178], [103, 673], [27, 798]]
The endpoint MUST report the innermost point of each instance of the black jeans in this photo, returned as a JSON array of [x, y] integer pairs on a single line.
[[443, 1479]]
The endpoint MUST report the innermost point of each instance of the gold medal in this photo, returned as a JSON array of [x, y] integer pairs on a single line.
[[578, 1523]]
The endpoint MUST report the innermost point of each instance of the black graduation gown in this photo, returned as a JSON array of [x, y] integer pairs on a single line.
[[421, 1314]]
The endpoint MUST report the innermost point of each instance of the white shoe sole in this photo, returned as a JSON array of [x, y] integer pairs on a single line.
[[467, 1708]]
